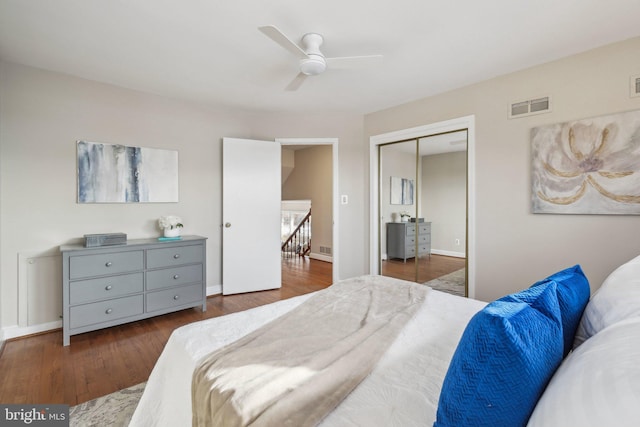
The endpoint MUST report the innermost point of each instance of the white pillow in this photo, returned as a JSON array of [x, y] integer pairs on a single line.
[[617, 299], [598, 384]]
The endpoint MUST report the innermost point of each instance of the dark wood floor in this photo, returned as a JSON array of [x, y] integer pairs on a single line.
[[39, 369], [429, 267]]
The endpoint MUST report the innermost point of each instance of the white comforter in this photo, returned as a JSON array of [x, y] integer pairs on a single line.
[[402, 390]]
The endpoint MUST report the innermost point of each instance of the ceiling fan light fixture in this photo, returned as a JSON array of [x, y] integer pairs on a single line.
[[313, 65], [312, 60]]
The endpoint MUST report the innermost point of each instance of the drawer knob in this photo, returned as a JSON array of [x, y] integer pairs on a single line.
[[176, 256], [176, 276], [109, 311], [109, 264], [108, 288], [176, 297]]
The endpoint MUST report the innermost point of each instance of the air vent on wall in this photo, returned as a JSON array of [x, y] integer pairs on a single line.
[[325, 250], [634, 86], [530, 107]]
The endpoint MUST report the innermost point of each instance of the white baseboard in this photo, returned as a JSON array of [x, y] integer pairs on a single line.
[[448, 253], [320, 257], [16, 331]]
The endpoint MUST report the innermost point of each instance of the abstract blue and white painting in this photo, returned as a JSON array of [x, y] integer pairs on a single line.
[[401, 191], [120, 174]]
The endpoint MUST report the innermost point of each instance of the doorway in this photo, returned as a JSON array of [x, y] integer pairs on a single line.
[[325, 244], [413, 234], [247, 167]]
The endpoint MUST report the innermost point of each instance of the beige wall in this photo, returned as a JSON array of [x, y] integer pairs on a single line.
[[443, 201], [44, 113], [311, 179], [515, 247]]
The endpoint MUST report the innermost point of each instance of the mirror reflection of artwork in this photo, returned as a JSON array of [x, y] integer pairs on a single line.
[[401, 191], [589, 166], [121, 174]]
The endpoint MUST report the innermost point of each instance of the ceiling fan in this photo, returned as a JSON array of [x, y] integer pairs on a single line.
[[312, 60]]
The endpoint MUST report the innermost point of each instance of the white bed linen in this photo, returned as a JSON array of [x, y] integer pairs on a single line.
[[402, 390]]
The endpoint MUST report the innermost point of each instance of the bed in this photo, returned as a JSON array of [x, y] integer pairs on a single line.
[[434, 371]]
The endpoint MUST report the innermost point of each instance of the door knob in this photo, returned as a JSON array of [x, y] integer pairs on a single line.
[[227, 225]]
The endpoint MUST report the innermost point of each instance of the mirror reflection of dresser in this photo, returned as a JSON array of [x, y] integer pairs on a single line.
[[402, 238]]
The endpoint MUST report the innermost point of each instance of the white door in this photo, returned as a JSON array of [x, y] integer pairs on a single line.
[[251, 192]]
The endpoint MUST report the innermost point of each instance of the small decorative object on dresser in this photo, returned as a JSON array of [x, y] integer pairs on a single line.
[[108, 239], [108, 286], [171, 225]]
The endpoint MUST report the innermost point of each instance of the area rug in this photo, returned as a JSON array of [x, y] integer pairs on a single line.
[[452, 283], [115, 409]]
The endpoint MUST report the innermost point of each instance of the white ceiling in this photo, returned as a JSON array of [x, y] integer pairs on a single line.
[[211, 51]]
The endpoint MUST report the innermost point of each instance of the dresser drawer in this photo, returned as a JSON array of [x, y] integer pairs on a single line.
[[82, 291], [425, 238], [105, 311], [175, 276], [424, 228], [103, 264], [174, 297], [178, 255], [410, 229]]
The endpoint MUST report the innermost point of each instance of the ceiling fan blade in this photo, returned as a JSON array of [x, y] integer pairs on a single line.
[[353, 61], [278, 36], [296, 82]]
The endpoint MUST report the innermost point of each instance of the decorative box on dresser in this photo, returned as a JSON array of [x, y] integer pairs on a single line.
[[402, 237], [110, 285]]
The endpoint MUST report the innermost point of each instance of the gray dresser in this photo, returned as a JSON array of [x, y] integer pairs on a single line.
[[110, 285], [402, 238]]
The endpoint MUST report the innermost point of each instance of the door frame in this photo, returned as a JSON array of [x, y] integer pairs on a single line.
[[333, 142], [461, 123]]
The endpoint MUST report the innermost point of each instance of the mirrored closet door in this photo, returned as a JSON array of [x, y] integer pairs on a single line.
[[423, 211]]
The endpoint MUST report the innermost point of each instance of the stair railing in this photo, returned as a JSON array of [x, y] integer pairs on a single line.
[[299, 241]]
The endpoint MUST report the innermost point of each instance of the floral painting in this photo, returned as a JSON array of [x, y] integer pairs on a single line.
[[589, 166], [122, 174]]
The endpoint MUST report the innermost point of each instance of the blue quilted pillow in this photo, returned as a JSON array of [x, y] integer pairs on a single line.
[[573, 296], [502, 364]]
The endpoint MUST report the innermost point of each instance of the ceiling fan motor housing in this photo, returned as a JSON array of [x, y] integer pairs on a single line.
[[313, 65]]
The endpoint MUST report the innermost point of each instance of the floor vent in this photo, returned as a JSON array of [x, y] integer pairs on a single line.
[[634, 86], [530, 107]]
